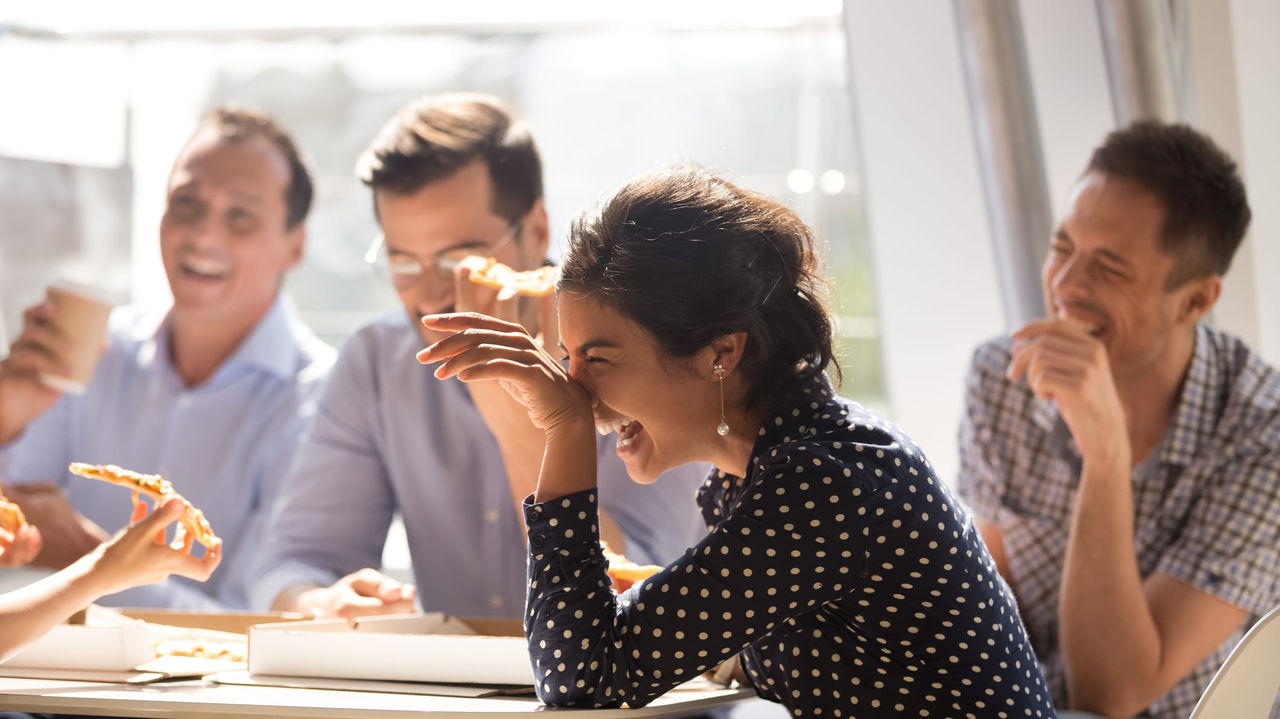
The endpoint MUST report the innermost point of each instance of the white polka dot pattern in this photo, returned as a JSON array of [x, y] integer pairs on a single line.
[[845, 573]]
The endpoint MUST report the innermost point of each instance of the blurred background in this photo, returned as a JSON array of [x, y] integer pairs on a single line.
[[930, 144]]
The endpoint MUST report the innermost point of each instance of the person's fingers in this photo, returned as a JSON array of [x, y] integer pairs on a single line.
[[367, 583], [1020, 356], [460, 342], [485, 354], [458, 321], [1035, 328], [198, 568], [389, 590]]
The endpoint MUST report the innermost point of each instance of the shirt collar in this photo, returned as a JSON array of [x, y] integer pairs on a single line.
[[1198, 403], [270, 346], [794, 414]]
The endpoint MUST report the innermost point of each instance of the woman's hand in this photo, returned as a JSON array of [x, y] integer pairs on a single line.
[[485, 348], [139, 555]]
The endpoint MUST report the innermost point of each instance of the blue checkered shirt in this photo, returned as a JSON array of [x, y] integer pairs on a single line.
[[1206, 503]]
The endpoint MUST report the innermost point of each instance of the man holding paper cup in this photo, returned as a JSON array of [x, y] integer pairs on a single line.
[[213, 393]]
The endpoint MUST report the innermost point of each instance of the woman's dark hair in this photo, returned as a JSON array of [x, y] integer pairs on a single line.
[[691, 257]]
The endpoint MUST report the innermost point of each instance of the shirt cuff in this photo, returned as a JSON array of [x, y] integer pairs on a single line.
[[564, 522], [274, 581]]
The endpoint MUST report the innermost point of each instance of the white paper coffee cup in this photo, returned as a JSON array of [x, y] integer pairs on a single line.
[[80, 313]]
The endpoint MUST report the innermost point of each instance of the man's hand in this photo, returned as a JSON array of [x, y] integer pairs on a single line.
[[19, 548], [41, 348], [519, 441], [367, 592], [67, 534], [1063, 363]]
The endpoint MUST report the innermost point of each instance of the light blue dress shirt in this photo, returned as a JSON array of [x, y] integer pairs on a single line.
[[389, 437], [224, 444]]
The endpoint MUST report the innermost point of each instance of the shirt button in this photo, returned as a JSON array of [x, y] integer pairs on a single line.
[[491, 516], [537, 540], [495, 602]]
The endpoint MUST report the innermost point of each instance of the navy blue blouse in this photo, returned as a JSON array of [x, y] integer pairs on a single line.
[[848, 578]]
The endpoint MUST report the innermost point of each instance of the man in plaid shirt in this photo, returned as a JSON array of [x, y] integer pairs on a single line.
[[1122, 459]]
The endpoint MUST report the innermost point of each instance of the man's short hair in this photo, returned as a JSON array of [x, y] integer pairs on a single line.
[[236, 124], [434, 136], [1199, 186]]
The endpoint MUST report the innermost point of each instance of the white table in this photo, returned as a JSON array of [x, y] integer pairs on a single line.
[[199, 699]]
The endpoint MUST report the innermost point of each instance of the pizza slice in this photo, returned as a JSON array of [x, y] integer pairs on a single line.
[[155, 487], [11, 517], [489, 272], [624, 573]]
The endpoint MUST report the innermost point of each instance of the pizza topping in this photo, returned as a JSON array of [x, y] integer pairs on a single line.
[[489, 272], [11, 517]]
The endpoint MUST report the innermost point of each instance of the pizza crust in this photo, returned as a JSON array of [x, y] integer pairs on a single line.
[[489, 272], [155, 487]]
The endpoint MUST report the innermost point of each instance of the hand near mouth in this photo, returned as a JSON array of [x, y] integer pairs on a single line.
[[1064, 363], [485, 348]]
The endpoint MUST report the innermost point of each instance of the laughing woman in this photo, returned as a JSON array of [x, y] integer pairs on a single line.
[[844, 575]]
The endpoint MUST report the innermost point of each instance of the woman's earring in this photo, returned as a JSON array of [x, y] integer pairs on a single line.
[[722, 429]]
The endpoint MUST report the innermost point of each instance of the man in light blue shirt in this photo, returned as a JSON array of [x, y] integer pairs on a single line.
[[451, 176], [213, 394]]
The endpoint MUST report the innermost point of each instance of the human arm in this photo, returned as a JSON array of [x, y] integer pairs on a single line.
[[1126, 639], [520, 443], [330, 515], [136, 555]]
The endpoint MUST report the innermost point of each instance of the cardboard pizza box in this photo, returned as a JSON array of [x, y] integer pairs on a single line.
[[120, 645], [433, 647]]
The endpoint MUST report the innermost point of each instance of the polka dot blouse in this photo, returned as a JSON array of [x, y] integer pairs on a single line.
[[845, 575]]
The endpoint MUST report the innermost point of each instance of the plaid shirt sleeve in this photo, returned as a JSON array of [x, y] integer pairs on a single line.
[[978, 483], [1230, 546]]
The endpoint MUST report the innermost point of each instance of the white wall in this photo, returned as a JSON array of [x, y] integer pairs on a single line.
[[1254, 25], [936, 282]]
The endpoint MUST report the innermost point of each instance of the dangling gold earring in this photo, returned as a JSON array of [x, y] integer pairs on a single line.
[[722, 429]]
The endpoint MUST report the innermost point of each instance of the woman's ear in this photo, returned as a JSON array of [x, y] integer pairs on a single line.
[[725, 351]]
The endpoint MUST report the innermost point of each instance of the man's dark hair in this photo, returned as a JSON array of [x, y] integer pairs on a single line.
[[691, 257], [434, 136], [234, 123], [1206, 211]]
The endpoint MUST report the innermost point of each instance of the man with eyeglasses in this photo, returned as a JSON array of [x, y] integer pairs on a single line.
[[452, 176], [212, 391]]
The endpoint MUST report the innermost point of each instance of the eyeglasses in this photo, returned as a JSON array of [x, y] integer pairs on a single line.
[[404, 270]]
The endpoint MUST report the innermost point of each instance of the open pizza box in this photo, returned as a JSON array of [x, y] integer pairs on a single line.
[[433, 648], [139, 645]]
